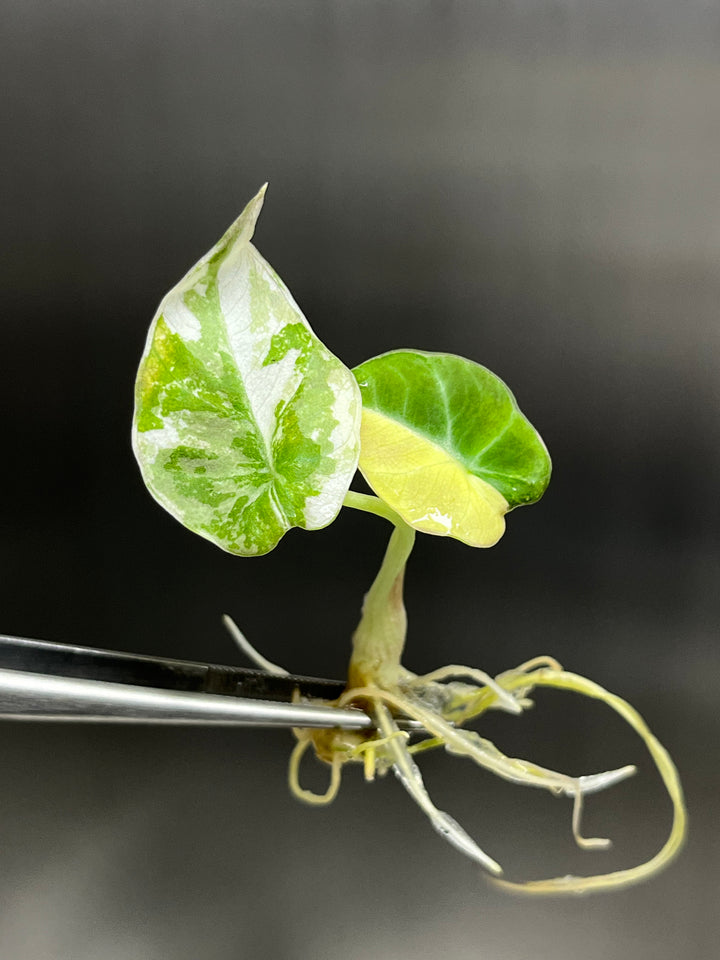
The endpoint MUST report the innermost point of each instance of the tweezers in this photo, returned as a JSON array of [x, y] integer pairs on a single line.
[[55, 681]]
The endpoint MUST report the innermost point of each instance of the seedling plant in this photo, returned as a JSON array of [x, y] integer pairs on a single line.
[[246, 426]]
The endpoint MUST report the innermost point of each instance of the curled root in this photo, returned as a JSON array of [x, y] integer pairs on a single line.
[[667, 770], [307, 796]]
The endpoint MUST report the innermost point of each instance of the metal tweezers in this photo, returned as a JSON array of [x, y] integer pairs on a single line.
[[55, 681]]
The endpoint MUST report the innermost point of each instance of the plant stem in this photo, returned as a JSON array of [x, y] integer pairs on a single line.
[[380, 636], [370, 504]]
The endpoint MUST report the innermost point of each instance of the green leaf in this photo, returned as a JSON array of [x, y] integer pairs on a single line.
[[444, 444], [245, 424]]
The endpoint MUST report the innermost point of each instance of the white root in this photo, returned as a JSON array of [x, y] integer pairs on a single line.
[[594, 782], [253, 655], [409, 775], [506, 700]]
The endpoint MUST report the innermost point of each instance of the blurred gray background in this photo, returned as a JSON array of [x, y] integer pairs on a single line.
[[534, 185]]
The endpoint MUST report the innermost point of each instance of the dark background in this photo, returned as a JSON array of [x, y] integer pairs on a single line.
[[534, 185]]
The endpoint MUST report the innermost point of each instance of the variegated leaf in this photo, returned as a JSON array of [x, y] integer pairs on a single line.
[[444, 444], [245, 424]]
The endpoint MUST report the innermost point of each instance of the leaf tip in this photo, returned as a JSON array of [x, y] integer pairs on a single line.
[[244, 227]]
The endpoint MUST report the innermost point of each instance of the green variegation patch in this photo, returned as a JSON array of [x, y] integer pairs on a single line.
[[444, 444], [245, 424]]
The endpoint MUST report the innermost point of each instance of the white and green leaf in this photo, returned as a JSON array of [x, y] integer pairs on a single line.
[[245, 424], [444, 444]]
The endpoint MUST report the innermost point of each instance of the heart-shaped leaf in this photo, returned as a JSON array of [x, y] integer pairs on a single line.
[[444, 444], [245, 424]]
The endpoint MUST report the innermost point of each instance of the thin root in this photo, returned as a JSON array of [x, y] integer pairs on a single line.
[[483, 679], [369, 748], [585, 843], [307, 796], [542, 661], [666, 768], [249, 650], [409, 775]]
